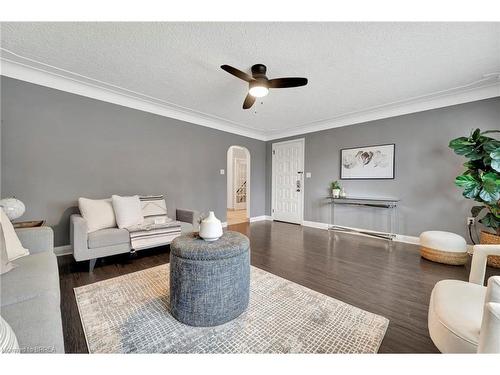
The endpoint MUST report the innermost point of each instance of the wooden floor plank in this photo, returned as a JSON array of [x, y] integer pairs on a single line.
[[365, 272]]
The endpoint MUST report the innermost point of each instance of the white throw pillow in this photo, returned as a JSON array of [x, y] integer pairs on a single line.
[[8, 340], [13, 246], [154, 209], [128, 211], [98, 213]]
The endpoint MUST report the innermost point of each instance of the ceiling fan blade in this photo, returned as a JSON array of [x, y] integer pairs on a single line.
[[249, 100], [238, 73], [279, 83]]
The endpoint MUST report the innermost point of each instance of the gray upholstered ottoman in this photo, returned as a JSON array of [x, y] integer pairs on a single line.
[[209, 281]]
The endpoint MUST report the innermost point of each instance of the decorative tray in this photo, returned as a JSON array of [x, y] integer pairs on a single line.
[[28, 224]]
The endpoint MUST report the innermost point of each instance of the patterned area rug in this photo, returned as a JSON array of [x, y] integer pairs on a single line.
[[130, 314]]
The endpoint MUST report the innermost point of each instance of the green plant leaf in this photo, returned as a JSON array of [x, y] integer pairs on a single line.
[[475, 155], [495, 159], [475, 135], [491, 145], [467, 181], [490, 221], [471, 185], [471, 193], [476, 210], [495, 164], [461, 141], [462, 145], [490, 191]]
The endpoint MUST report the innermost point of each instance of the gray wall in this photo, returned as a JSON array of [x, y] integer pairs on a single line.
[[57, 147], [425, 167]]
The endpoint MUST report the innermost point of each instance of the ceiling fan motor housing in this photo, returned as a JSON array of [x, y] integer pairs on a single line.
[[259, 71]]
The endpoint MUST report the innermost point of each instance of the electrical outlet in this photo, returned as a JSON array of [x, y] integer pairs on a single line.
[[471, 221]]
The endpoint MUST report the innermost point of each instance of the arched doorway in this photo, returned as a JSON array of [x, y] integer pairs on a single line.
[[238, 185]]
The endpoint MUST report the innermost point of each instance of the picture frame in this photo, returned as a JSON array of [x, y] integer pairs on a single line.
[[375, 162]]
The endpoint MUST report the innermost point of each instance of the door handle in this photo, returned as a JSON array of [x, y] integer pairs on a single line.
[[298, 186]]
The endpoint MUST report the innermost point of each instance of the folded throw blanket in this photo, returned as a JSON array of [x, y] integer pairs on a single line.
[[152, 235]]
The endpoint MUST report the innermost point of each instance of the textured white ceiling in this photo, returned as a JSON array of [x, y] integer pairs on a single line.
[[350, 66]]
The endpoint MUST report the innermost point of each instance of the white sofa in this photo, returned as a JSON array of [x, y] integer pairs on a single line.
[[464, 317]]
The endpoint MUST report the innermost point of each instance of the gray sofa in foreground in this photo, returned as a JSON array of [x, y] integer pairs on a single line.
[[112, 241], [30, 296]]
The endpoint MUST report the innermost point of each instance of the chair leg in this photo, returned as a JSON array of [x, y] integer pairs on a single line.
[[92, 263]]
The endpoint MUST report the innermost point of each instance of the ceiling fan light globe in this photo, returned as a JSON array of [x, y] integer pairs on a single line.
[[258, 91]]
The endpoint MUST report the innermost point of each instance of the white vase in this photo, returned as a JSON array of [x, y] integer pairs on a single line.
[[210, 228]]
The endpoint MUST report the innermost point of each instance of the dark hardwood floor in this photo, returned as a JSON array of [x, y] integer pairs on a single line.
[[365, 272]]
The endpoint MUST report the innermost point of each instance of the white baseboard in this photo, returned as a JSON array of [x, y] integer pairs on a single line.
[[63, 250], [315, 224], [399, 237], [261, 218]]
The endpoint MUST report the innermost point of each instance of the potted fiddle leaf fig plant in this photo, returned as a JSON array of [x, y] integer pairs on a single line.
[[481, 182]]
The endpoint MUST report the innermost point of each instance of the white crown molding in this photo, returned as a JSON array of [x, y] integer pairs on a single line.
[[113, 94], [29, 70], [488, 87]]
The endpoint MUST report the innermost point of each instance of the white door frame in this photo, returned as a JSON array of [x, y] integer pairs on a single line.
[[249, 161], [273, 198]]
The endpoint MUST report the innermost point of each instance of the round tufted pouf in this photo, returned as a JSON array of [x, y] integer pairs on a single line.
[[209, 281], [443, 247]]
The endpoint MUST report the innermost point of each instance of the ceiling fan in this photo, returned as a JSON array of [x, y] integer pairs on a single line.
[[259, 84]]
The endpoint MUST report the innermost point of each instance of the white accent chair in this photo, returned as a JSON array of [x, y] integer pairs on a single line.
[[464, 317]]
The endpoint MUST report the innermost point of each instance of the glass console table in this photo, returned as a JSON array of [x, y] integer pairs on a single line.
[[389, 204]]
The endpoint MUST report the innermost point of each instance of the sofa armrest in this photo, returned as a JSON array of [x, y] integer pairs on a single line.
[[188, 216], [78, 236], [489, 337], [479, 258], [36, 240]]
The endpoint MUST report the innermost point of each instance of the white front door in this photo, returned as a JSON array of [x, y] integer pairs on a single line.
[[288, 181]]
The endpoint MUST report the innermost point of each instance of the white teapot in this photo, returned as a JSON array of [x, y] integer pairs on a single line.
[[210, 228]]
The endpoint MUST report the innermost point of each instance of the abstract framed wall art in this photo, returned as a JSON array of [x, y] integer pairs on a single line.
[[368, 162]]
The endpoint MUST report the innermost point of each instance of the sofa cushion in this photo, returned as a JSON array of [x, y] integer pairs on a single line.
[[98, 213], [128, 211], [37, 324], [457, 310], [108, 237], [34, 275]]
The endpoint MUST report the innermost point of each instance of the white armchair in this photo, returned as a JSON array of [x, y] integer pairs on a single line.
[[464, 317]]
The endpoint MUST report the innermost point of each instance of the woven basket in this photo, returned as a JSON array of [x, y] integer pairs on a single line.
[[445, 257], [487, 238]]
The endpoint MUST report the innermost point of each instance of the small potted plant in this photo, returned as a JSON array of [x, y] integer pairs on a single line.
[[335, 186], [481, 182]]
